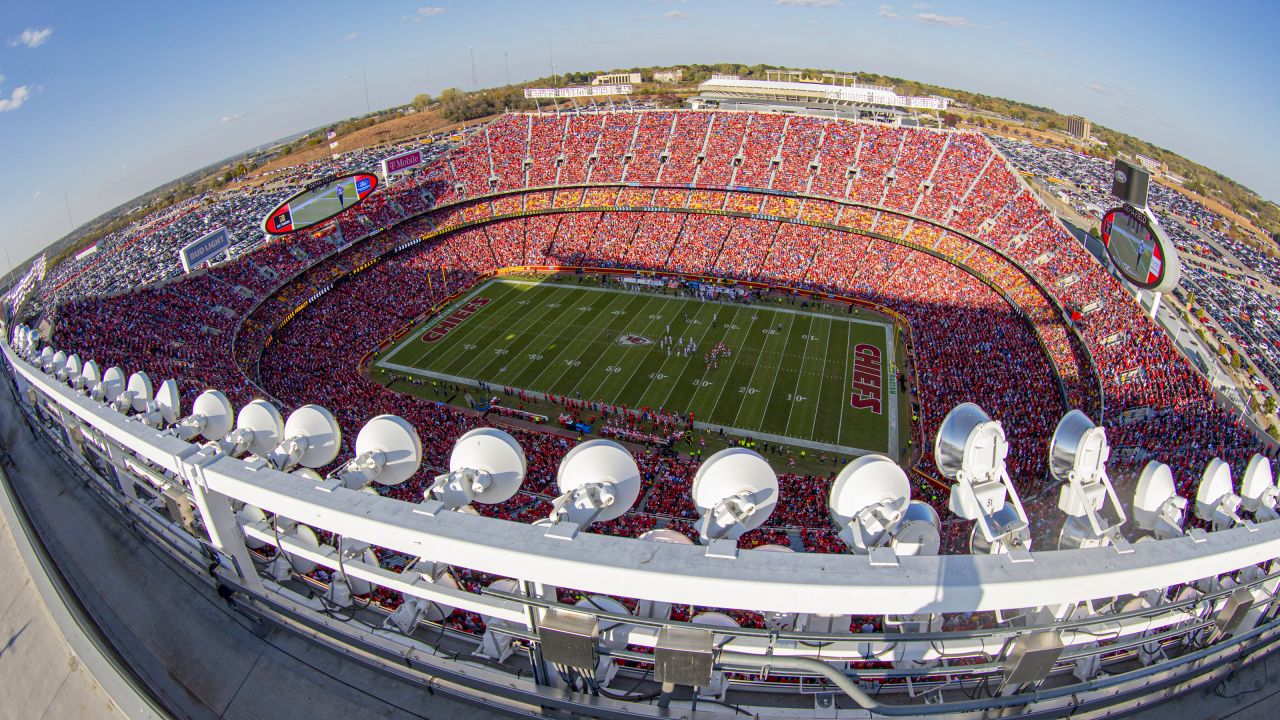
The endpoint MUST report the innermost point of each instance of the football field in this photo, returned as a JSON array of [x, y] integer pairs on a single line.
[[812, 379]]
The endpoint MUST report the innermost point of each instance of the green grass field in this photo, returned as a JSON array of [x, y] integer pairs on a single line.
[[789, 375]]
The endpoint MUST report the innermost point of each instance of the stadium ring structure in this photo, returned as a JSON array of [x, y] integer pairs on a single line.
[[526, 577]]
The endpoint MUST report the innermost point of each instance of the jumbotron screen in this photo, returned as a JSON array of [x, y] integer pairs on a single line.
[[319, 202], [1140, 252]]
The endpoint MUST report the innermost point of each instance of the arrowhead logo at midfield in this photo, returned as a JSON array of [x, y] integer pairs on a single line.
[[633, 339]]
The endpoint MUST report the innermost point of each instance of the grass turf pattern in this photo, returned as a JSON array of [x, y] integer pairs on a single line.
[[788, 373]]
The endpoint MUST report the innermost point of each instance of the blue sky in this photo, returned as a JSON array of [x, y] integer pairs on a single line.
[[100, 102]]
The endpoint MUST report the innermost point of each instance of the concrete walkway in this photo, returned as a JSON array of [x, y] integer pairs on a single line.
[[40, 674]]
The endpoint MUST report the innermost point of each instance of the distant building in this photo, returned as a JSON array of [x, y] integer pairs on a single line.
[[1151, 164], [1079, 127], [616, 79], [852, 99], [668, 76]]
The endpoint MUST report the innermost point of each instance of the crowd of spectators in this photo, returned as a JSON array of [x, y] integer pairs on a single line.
[[1214, 257], [980, 338], [146, 252]]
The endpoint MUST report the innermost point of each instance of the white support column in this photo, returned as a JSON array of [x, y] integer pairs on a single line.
[[126, 480], [219, 521]]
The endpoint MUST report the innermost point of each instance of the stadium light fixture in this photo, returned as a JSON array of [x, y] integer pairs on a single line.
[[1216, 500], [137, 394], [1157, 507], [735, 490], [1258, 491], [55, 363], [598, 482], [870, 502], [311, 439], [70, 369], [259, 429], [210, 418], [1078, 455], [388, 452], [164, 408], [971, 448], [487, 465]]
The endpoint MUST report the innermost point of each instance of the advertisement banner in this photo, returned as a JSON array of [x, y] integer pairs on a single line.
[[205, 249], [401, 162]]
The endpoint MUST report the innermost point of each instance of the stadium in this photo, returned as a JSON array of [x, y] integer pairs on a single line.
[[544, 410]]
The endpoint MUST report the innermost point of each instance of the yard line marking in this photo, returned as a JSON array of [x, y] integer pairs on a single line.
[[844, 379], [670, 358], [751, 381], [648, 324], [640, 360], [729, 370], [485, 356], [795, 391], [481, 326], [577, 344], [600, 331], [539, 330], [701, 342]]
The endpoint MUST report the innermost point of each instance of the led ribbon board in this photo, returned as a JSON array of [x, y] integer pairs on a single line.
[[318, 202]]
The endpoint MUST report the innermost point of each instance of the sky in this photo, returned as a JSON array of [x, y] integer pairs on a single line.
[[101, 102]]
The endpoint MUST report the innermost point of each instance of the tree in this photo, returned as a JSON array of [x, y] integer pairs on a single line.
[[1269, 405], [421, 101], [1235, 360], [950, 119]]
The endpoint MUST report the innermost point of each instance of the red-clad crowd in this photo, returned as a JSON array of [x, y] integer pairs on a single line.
[[967, 342]]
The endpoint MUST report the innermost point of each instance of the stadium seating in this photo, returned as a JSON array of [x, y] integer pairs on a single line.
[[967, 341]]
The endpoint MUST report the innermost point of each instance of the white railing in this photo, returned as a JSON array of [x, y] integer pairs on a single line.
[[1224, 607]]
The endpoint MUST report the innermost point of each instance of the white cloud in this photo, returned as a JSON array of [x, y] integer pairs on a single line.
[[887, 11], [35, 195], [232, 118], [1103, 89], [425, 11], [351, 36], [920, 6], [32, 38], [15, 99], [809, 3], [952, 21], [676, 14]]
